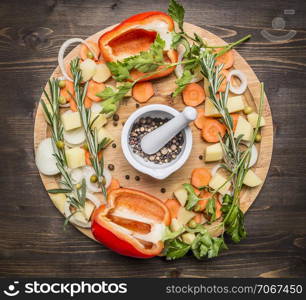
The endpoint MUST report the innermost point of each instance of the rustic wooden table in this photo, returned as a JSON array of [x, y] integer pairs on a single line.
[[32, 240]]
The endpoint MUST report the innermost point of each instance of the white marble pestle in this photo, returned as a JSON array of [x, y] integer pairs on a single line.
[[158, 138]]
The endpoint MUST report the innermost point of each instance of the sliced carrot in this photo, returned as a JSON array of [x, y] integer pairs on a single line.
[[227, 59], [87, 157], [197, 192], [200, 120], [67, 91], [204, 200], [114, 185], [193, 94], [198, 218], [173, 206], [200, 177], [84, 50], [223, 74], [143, 91], [235, 120], [211, 130], [73, 105], [87, 102], [93, 89], [218, 209]]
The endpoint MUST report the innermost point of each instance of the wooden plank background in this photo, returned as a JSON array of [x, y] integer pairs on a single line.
[[32, 241]]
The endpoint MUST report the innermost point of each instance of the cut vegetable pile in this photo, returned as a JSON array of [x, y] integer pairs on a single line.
[[205, 211]]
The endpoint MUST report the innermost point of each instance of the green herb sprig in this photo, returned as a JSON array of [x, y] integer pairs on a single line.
[[91, 134], [51, 110]]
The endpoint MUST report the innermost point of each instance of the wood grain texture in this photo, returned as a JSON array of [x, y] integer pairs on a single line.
[[31, 226]]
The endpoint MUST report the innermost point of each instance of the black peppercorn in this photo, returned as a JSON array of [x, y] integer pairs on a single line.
[[137, 178], [127, 177], [163, 190], [111, 167], [115, 117]]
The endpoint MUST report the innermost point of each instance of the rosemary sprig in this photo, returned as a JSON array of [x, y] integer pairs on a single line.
[[91, 134], [51, 110]]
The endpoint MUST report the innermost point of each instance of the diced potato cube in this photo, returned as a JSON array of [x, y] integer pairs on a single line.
[[210, 110], [181, 195], [251, 179], [59, 201], [97, 120], [102, 73], [71, 120], [88, 69], [175, 225], [245, 128], [88, 209], [184, 215], [253, 117], [235, 104], [214, 152], [129, 93], [103, 133], [217, 181], [188, 238], [75, 157]]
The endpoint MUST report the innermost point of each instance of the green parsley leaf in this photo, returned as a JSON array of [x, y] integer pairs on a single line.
[[175, 249], [210, 209], [182, 82], [192, 199], [119, 70], [177, 13]]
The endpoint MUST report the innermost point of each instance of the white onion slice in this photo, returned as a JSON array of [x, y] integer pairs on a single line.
[[76, 175], [254, 156], [75, 136], [243, 84], [45, 160], [96, 107], [76, 221], [179, 70], [93, 187], [62, 50], [215, 169]]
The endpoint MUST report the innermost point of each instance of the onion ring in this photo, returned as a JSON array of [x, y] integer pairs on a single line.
[[62, 50]]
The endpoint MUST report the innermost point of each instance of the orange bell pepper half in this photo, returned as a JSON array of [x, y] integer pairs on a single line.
[[137, 34], [132, 223]]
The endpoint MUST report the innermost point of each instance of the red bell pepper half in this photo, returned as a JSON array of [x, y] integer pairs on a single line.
[[136, 34], [132, 223]]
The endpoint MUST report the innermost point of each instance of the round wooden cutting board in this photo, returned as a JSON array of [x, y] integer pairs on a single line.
[[163, 88]]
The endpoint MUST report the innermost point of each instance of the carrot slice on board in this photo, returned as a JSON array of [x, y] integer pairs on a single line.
[[87, 157], [73, 105], [200, 120], [223, 74], [93, 89], [218, 209], [204, 200], [143, 91], [193, 94], [87, 102], [200, 177], [235, 120], [211, 130], [84, 50], [198, 218], [173, 206], [67, 91], [227, 59], [114, 185]]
